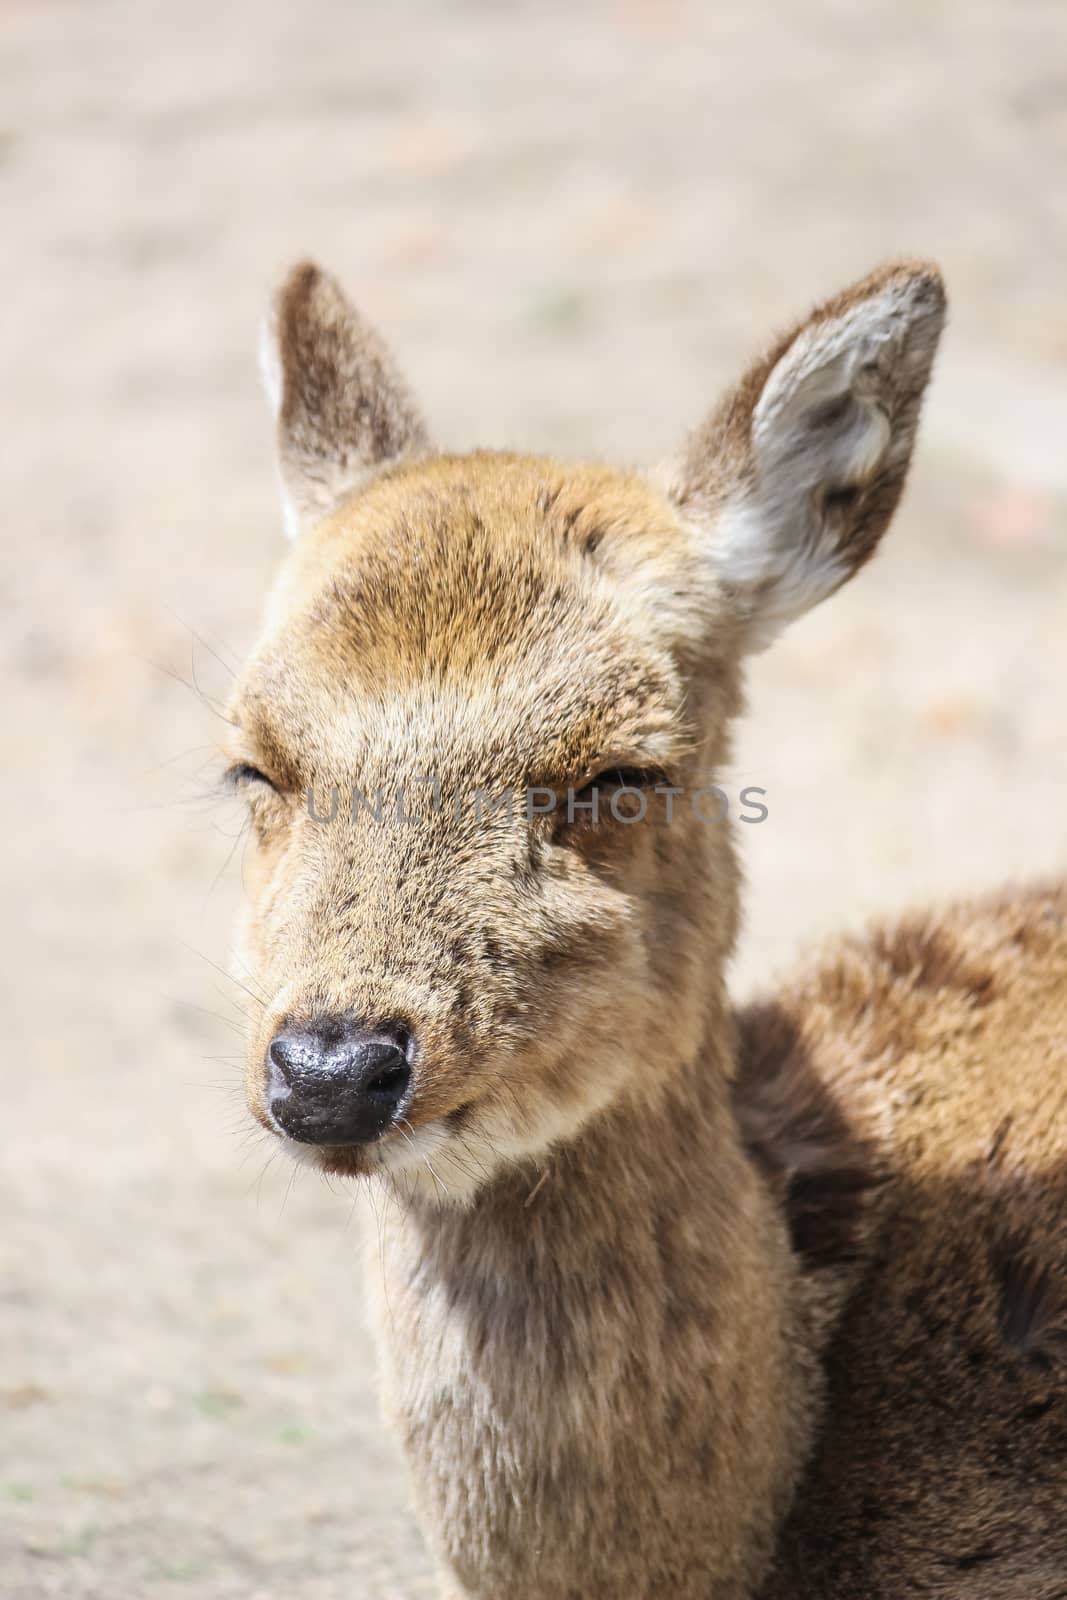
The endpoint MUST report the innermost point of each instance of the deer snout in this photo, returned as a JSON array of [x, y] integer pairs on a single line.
[[332, 1081]]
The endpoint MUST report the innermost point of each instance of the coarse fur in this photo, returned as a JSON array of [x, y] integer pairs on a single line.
[[942, 1463], [670, 1301]]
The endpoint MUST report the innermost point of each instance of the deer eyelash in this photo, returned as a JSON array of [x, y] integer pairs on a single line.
[[242, 774], [624, 778]]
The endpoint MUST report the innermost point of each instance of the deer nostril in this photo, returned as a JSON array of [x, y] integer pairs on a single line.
[[390, 1084], [383, 1070], [283, 1061]]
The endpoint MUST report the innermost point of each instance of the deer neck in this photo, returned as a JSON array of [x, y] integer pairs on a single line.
[[628, 1317]]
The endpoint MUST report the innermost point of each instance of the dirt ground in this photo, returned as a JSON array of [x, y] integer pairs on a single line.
[[574, 222]]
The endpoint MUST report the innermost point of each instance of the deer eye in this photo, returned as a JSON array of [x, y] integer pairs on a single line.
[[243, 775], [620, 778], [604, 800]]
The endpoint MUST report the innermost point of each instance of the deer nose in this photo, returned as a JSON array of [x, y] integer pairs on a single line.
[[332, 1081]]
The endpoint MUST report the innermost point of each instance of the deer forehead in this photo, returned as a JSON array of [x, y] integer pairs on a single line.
[[475, 610]]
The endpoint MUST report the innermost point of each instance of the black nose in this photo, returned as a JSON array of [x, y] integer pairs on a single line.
[[334, 1082]]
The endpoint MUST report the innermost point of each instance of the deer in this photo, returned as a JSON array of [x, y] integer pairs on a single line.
[[672, 1297]]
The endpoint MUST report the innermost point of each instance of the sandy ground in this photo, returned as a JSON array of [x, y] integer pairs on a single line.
[[574, 222]]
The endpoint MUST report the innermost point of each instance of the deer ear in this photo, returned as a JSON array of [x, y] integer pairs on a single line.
[[341, 407], [793, 479]]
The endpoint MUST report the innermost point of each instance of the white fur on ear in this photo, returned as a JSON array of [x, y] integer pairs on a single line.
[[820, 421], [270, 376], [797, 579], [270, 361], [795, 478]]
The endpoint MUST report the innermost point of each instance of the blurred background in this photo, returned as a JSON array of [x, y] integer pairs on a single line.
[[574, 222]]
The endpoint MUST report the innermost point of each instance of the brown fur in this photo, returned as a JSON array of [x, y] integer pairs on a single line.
[[942, 1467], [618, 1225]]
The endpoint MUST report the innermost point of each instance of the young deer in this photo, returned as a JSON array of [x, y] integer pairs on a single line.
[[671, 1301]]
